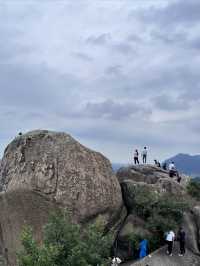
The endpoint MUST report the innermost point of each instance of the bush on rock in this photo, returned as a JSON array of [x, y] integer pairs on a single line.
[[66, 244]]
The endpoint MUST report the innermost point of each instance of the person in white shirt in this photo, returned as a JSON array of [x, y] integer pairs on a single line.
[[170, 236], [144, 155], [172, 169]]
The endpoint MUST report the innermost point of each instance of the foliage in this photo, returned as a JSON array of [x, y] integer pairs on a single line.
[[134, 239], [193, 189], [161, 213], [143, 200], [65, 244]]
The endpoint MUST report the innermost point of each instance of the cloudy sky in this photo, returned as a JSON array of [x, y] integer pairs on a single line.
[[115, 74]]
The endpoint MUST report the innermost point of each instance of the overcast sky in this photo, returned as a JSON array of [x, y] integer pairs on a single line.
[[116, 75]]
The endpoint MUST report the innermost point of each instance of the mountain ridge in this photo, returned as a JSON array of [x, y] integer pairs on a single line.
[[186, 163]]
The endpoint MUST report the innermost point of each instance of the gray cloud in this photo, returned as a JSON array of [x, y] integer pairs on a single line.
[[174, 13], [101, 39], [114, 70], [115, 110], [124, 82], [83, 56], [166, 102], [122, 47]]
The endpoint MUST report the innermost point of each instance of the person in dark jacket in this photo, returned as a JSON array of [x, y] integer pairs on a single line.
[[181, 238], [136, 155]]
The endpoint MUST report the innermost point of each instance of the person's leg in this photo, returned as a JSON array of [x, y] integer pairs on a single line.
[[170, 244], [182, 247], [135, 160], [145, 158], [138, 161]]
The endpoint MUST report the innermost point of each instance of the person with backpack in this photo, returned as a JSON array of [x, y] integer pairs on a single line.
[[181, 238], [136, 155], [144, 155]]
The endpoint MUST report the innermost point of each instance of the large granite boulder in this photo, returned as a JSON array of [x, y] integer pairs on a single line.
[[59, 167], [44, 171]]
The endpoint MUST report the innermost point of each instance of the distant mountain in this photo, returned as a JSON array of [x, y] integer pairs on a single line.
[[187, 164], [116, 166]]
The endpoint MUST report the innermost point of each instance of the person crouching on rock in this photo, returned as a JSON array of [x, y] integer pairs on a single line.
[[136, 155], [172, 169], [170, 236], [181, 239]]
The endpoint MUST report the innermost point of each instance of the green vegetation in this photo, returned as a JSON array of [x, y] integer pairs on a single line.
[[161, 213], [193, 188], [66, 244]]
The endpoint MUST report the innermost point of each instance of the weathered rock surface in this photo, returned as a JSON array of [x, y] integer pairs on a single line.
[[58, 166], [43, 171], [17, 209], [150, 177], [148, 174]]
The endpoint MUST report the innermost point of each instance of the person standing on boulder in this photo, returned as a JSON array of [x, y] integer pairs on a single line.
[[170, 240], [136, 155], [144, 155], [181, 239]]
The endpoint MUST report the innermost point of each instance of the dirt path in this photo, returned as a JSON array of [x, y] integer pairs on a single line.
[[160, 258]]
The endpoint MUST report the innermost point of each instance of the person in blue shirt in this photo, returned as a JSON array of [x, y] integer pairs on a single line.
[[143, 248]]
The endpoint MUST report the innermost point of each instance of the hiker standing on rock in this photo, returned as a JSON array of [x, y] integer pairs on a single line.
[[181, 239], [144, 155], [170, 240], [136, 155]]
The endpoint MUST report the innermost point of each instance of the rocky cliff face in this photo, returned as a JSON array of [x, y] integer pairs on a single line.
[[157, 181], [65, 174]]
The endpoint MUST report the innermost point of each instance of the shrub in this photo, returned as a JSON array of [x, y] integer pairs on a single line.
[[143, 201], [65, 244], [161, 212], [193, 189]]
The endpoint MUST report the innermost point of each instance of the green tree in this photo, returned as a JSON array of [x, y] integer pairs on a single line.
[[66, 244], [193, 189]]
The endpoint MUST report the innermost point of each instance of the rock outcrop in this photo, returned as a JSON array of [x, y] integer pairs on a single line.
[[148, 174], [59, 167], [44, 170], [157, 181]]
